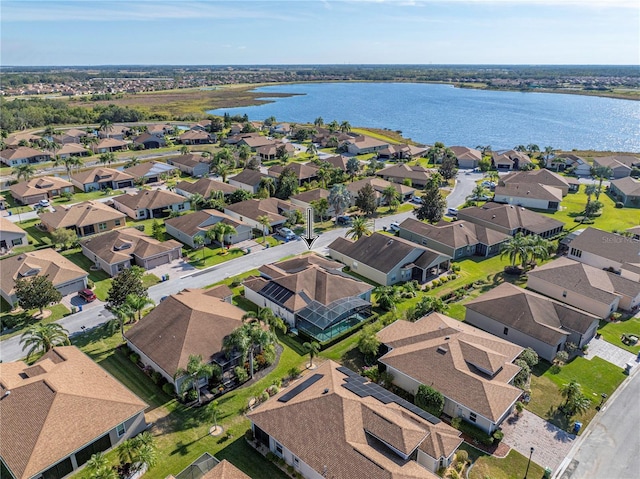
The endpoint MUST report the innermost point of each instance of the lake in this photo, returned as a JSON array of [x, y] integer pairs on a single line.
[[428, 113]]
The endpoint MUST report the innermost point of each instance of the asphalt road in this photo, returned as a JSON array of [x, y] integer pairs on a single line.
[[610, 447], [464, 187]]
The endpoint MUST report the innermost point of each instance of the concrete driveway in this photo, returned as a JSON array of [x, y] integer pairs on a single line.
[[465, 183], [551, 444]]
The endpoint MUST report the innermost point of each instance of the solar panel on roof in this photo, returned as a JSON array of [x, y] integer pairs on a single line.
[[300, 387]]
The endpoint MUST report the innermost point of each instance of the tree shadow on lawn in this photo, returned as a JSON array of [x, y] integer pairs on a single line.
[[353, 359], [250, 461], [560, 435]]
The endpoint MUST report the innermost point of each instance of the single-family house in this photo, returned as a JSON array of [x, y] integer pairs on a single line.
[[312, 295], [304, 200], [15, 139], [202, 125], [510, 219], [150, 141], [303, 172], [42, 188], [255, 141], [568, 161], [418, 175], [101, 178], [509, 160], [472, 369], [186, 227], [219, 469], [529, 195], [191, 164], [281, 129], [65, 275], [207, 187], [379, 185], [539, 322], [151, 171], [468, 158], [110, 145], [122, 248], [249, 211], [601, 249], [566, 184], [270, 152], [627, 191], [621, 165], [361, 145], [248, 180], [402, 152], [363, 429], [197, 137], [591, 289], [69, 150], [389, 260], [235, 138], [191, 322], [117, 132], [457, 239], [324, 137], [58, 412], [23, 155], [72, 135], [160, 129], [11, 235], [85, 218], [337, 161], [151, 204]]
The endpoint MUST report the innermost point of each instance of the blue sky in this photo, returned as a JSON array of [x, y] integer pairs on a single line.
[[121, 32]]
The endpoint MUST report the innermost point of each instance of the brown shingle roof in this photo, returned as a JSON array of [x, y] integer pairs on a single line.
[[143, 169], [187, 323], [629, 186], [611, 246], [405, 171], [206, 186], [466, 153], [455, 235], [192, 223], [466, 365], [195, 135], [542, 176], [271, 207], [191, 160], [337, 161], [530, 313], [302, 171], [110, 143], [10, 226], [42, 262], [21, 152], [311, 195], [67, 388], [225, 470], [101, 174], [37, 186], [530, 190], [249, 177], [149, 199], [119, 245], [510, 217], [351, 430], [379, 185], [81, 214], [381, 252]]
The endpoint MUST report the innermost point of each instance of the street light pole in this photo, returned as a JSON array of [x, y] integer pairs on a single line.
[[528, 463]]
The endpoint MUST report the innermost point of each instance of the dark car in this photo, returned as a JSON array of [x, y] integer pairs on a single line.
[[87, 295], [344, 220]]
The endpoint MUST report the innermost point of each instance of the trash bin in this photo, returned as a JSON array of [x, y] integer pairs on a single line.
[[547, 473], [576, 427], [167, 277], [266, 246], [73, 309], [248, 250], [80, 307], [9, 213]]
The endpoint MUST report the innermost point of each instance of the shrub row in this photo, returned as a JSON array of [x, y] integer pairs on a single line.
[[472, 431]]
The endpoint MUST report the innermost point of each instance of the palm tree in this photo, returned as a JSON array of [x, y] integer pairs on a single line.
[[601, 172], [133, 161], [127, 451], [198, 241], [213, 409], [106, 126], [478, 192], [25, 171], [312, 149], [41, 338], [333, 126], [265, 222], [138, 303], [184, 150], [359, 228], [345, 127], [223, 169], [390, 195], [570, 390], [246, 340], [313, 348], [318, 121], [268, 185], [68, 162], [107, 158], [386, 297], [324, 175], [339, 198], [244, 152], [219, 231], [99, 468], [493, 175], [368, 343], [121, 314], [194, 372], [197, 200], [589, 190], [515, 248], [539, 248], [267, 317]]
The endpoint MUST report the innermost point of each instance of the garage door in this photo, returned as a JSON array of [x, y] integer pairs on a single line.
[[69, 288], [124, 184], [242, 236], [160, 260]]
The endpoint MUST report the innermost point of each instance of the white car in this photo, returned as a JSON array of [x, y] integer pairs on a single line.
[[453, 211], [44, 203], [393, 227]]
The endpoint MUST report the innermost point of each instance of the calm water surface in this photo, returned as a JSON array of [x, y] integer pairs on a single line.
[[456, 116]]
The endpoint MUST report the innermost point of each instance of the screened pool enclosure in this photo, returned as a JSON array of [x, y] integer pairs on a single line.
[[324, 323]]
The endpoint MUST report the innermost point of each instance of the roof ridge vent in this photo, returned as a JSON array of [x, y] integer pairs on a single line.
[[442, 350]]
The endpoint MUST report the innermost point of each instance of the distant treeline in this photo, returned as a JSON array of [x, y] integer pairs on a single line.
[[37, 112]]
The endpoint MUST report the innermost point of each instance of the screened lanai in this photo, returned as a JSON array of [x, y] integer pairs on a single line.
[[323, 323]]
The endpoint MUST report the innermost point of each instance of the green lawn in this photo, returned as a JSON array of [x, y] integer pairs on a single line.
[[182, 433], [22, 320], [35, 236], [596, 376], [79, 197], [612, 332], [13, 207], [511, 467], [212, 256], [101, 280], [612, 218]]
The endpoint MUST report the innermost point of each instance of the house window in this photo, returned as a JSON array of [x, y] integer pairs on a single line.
[[278, 451], [472, 417], [393, 277], [120, 430], [117, 222], [102, 226], [16, 241], [576, 252], [505, 331], [296, 462], [424, 242], [181, 207]]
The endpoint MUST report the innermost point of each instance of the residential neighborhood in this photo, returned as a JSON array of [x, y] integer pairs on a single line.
[[263, 288]]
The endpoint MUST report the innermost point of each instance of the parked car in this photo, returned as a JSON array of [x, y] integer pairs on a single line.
[[44, 203], [479, 198], [395, 226], [344, 220], [416, 199], [286, 233], [87, 295], [452, 211]]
